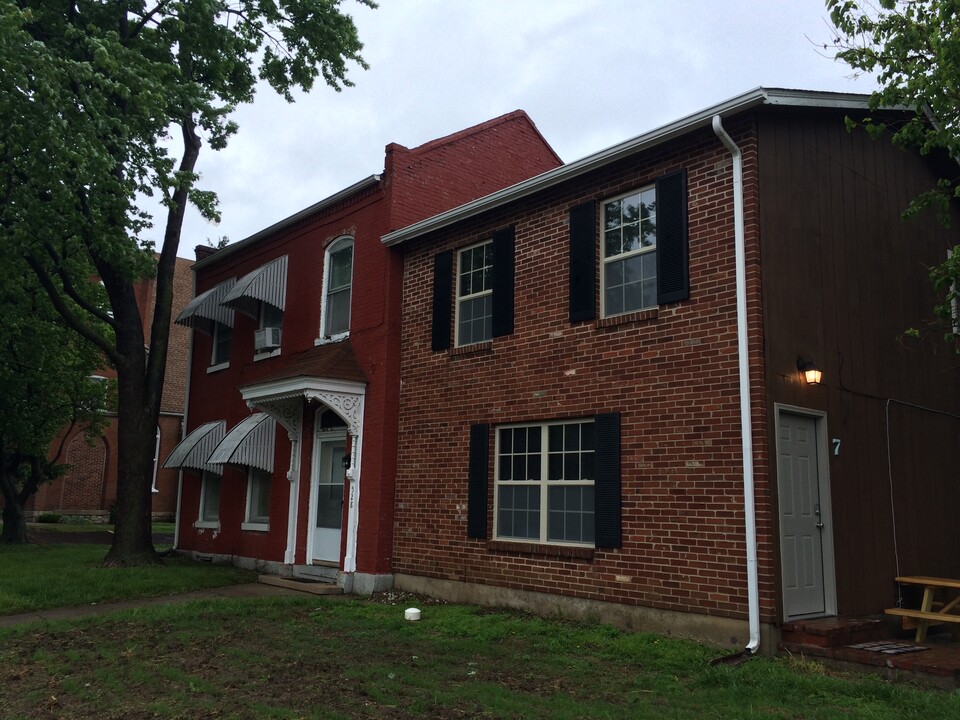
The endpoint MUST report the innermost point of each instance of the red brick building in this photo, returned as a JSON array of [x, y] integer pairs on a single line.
[[89, 487], [603, 409], [300, 323]]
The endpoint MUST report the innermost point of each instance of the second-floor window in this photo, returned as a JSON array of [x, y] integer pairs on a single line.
[[271, 329], [630, 252], [338, 286], [475, 294], [643, 251], [222, 340]]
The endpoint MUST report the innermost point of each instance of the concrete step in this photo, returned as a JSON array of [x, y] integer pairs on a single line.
[[308, 585], [832, 632]]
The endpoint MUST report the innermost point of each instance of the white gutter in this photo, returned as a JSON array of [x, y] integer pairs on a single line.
[[746, 427], [753, 98]]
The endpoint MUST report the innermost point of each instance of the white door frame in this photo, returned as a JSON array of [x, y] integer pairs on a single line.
[[321, 436], [826, 511]]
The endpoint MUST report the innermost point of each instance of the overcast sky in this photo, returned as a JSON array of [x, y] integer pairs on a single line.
[[589, 73]]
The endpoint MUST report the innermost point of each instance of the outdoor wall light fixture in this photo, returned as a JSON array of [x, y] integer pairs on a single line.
[[808, 368], [345, 461]]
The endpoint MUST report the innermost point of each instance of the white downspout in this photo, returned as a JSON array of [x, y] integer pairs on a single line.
[[746, 427]]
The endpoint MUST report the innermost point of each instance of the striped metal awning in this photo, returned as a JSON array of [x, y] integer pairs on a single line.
[[206, 309], [194, 450], [268, 283], [250, 443]]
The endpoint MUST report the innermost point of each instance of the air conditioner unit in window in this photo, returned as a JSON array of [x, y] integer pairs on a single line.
[[266, 338]]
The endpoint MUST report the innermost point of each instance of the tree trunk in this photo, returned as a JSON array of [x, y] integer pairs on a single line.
[[14, 521], [132, 536], [137, 414]]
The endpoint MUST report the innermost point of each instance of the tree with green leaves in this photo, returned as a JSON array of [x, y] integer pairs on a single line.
[[104, 102], [46, 385], [913, 48]]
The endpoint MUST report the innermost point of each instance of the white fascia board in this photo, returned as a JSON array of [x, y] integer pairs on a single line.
[[753, 98], [291, 387]]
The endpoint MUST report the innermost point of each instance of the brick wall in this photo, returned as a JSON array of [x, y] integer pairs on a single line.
[[416, 183], [671, 373]]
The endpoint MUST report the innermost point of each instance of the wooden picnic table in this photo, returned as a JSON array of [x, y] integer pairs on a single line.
[[932, 612]]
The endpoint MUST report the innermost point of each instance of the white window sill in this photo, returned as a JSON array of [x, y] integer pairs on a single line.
[[339, 337], [207, 524], [264, 355], [255, 526], [219, 367]]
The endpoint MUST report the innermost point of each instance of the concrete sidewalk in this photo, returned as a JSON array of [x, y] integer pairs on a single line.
[[247, 590]]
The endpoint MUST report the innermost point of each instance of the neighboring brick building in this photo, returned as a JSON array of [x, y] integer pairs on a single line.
[[301, 323], [597, 362], [89, 487]]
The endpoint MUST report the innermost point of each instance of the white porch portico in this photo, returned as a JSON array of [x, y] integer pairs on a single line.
[[287, 400]]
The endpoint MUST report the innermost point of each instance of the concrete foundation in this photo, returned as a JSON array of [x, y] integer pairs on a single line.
[[724, 632]]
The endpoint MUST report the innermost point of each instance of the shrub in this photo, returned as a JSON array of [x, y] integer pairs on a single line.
[[52, 518]]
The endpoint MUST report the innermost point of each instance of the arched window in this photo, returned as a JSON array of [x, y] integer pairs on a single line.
[[337, 284]]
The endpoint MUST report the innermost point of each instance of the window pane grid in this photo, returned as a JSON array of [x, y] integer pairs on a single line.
[[338, 281], [629, 252], [475, 294], [545, 477]]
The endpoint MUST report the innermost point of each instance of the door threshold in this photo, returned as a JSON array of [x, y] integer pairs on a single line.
[[325, 563]]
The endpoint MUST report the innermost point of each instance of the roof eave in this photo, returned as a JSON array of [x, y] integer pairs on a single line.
[[236, 247], [753, 98]]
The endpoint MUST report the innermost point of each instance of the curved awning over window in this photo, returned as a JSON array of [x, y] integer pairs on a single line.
[[268, 283], [194, 450], [249, 443], [206, 309]]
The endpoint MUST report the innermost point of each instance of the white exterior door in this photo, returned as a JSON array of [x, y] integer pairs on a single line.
[[803, 518], [327, 510]]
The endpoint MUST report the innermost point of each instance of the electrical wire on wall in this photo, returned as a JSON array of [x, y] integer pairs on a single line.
[[887, 402]]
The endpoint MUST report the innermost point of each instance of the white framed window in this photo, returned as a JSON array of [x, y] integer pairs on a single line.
[[257, 515], [209, 500], [475, 294], [337, 290], [544, 483], [629, 248], [222, 341], [270, 332]]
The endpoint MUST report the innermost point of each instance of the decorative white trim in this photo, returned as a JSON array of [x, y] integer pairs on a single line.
[[218, 368], [255, 527], [333, 247], [284, 400], [339, 337]]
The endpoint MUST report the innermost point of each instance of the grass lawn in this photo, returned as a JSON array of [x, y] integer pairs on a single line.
[[324, 658], [40, 577]]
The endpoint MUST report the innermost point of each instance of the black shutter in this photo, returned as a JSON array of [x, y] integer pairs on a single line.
[[673, 280], [503, 253], [479, 470], [583, 262], [607, 484], [442, 300]]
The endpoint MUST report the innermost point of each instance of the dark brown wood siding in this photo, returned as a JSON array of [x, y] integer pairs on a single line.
[[843, 278]]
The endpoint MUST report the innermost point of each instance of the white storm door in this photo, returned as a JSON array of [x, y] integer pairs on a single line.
[[801, 517], [328, 500]]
